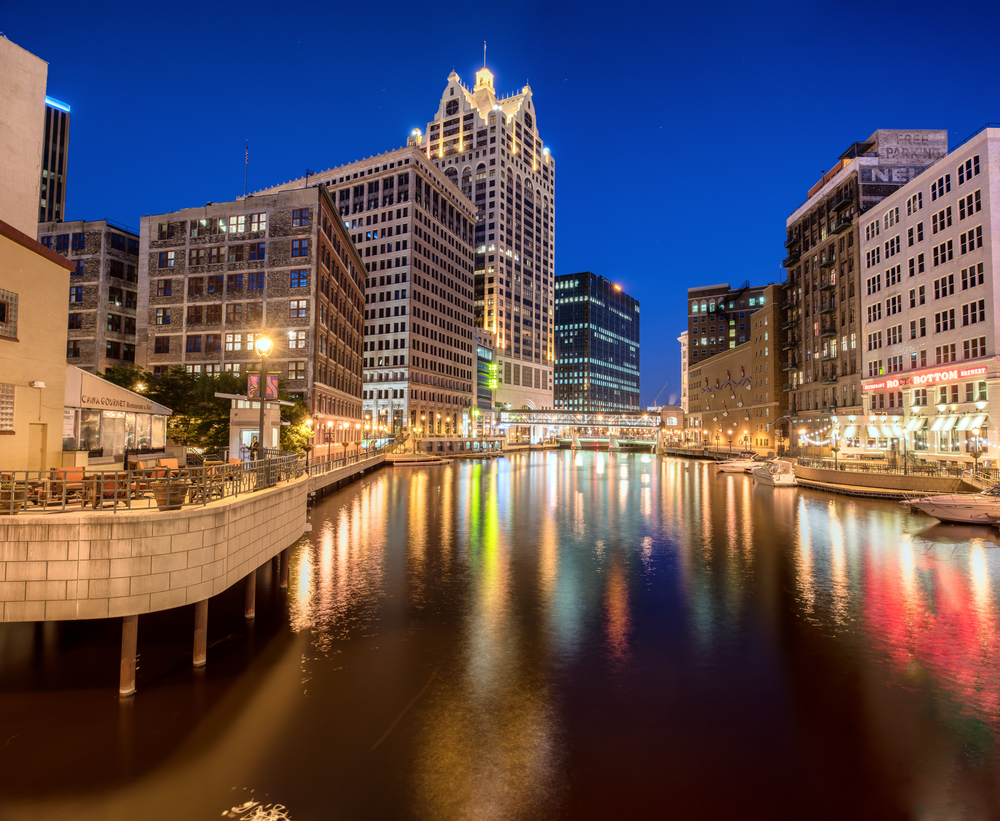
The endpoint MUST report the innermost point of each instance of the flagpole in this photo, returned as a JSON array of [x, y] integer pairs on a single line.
[[246, 168]]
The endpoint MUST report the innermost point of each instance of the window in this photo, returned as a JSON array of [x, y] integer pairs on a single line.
[[258, 222], [166, 259], [164, 287], [196, 286], [974, 312], [235, 253], [114, 323], [874, 284], [296, 370], [217, 255], [973, 276], [213, 314], [296, 339], [62, 242], [971, 239], [944, 321], [117, 241], [214, 284], [943, 354], [300, 278], [968, 169], [166, 231], [298, 308], [234, 342], [133, 247], [78, 267], [943, 253], [195, 315], [257, 251], [874, 340], [940, 187], [234, 283], [79, 242], [162, 316], [76, 293], [115, 296], [890, 218], [196, 256], [238, 225], [914, 203], [300, 247], [893, 305], [873, 257], [875, 312], [72, 349], [944, 287], [194, 344], [972, 204], [255, 281], [941, 220], [254, 311], [892, 247], [300, 217], [213, 342], [161, 344], [47, 242], [974, 348], [75, 322], [234, 312]]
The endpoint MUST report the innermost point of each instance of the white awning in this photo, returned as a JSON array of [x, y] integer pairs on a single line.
[[964, 423], [938, 423], [978, 421], [917, 423], [885, 432], [949, 422], [873, 432], [897, 431], [849, 431]]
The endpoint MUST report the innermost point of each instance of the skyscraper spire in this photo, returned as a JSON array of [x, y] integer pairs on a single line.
[[484, 54]]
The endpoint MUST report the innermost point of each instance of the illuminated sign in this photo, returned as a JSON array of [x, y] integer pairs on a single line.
[[926, 378], [57, 104], [253, 386]]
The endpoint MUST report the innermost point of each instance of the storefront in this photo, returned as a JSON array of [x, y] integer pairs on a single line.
[[944, 414], [106, 420]]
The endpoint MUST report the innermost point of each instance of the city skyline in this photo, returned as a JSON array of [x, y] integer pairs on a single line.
[[710, 92]]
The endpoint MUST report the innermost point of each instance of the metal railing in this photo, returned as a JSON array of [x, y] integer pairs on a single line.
[[861, 466], [323, 466], [62, 490]]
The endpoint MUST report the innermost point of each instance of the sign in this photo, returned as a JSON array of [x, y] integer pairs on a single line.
[[927, 378], [270, 390], [99, 393]]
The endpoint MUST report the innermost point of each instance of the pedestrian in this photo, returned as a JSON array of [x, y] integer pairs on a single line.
[[254, 448]]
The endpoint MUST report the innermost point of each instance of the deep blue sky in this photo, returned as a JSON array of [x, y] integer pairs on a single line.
[[683, 134]]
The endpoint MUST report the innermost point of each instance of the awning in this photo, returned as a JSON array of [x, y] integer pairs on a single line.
[[849, 431], [897, 431], [873, 432], [978, 421], [949, 423], [885, 432], [964, 423], [85, 390], [917, 423]]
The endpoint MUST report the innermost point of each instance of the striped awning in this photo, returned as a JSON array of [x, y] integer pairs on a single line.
[[897, 431], [964, 423], [885, 432], [978, 421], [949, 422], [849, 431], [938, 423], [917, 423], [873, 432]]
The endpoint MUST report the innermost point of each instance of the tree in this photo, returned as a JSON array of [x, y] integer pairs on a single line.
[[130, 377]]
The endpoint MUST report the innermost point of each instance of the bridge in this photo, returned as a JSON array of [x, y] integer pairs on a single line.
[[579, 419]]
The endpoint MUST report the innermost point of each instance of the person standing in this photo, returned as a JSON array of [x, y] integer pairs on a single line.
[[254, 449]]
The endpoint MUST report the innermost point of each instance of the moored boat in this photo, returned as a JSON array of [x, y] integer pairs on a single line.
[[737, 465], [778, 473], [963, 508]]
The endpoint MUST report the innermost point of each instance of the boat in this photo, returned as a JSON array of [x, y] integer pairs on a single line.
[[963, 508], [778, 473], [738, 465]]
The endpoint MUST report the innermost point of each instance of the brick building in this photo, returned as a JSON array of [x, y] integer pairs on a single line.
[[104, 289], [281, 264]]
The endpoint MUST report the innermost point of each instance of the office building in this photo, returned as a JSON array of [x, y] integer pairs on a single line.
[[55, 159], [103, 291], [279, 264], [414, 231], [597, 345], [739, 394], [824, 304], [928, 312], [490, 147], [683, 339], [486, 381], [719, 318]]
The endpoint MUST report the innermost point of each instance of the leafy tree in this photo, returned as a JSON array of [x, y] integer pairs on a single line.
[[130, 377]]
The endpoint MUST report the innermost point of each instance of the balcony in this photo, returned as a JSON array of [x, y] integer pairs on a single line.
[[788, 324], [830, 378], [827, 332], [791, 365], [829, 261], [831, 308], [792, 259], [841, 225], [788, 386], [842, 201], [829, 357], [792, 242], [828, 284], [791, 344]]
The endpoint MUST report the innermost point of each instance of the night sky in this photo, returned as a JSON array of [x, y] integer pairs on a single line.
[[683, 134]]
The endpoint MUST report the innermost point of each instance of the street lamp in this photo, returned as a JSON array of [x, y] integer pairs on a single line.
[[262, 345], [835, 440], [977, 450], [730, 433]]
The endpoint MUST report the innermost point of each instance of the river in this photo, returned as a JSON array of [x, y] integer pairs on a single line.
[[554, 635]]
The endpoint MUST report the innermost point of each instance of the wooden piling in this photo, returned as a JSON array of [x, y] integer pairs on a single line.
[[250, 595], [130, 634], [200, 633]]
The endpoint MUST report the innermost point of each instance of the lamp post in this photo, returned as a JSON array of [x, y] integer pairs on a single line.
[[835, 440], [718, 434], [730, 434], [978, 450], [262, 346]]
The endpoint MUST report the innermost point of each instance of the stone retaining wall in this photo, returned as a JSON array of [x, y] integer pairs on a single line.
[[890, 481], [99, 565]]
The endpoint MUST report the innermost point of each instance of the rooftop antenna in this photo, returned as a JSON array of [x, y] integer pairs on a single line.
[[484, 54]]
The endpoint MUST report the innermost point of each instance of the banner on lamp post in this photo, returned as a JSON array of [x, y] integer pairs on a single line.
[[270, 387]]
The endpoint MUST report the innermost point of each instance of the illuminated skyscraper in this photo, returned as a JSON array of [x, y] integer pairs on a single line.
[[490, 147], [55, 157]]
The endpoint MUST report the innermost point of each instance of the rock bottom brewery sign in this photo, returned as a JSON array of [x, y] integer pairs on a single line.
[[926, 378]]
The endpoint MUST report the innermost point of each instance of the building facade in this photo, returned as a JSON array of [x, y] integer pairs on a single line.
[[414, 231], [929, 308], [279, 264], [490, 147], [55, 161], [719, 318], [597, 345], [823, 309], [486, 381], [683, 339], [737, 397], [103, 292]]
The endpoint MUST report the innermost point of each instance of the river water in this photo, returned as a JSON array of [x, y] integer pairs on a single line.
[[552, 635]]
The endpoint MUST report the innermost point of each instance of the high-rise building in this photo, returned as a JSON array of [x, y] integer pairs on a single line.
[[824, 299], [597, 345], [414, 231], [278, 264], [928, 312], [719, 318], [490, 147], [683, 339], [55, 159], [104, 290]]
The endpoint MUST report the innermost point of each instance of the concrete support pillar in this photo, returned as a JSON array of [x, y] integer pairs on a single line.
[[659, 442], [200, 633], [612, 440], [250, 595], [286, 555], [576, 440], [130, 634]]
